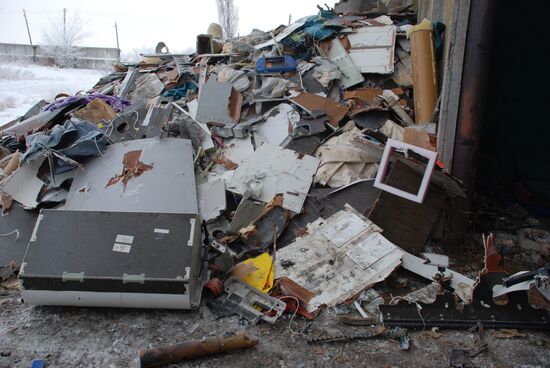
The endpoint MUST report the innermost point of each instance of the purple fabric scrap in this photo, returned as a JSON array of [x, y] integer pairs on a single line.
[[118, 104]]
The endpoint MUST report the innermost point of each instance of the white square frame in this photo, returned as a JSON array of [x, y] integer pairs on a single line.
[[393, 145]]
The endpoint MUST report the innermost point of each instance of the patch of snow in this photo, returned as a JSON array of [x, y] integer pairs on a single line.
[[22, 86]]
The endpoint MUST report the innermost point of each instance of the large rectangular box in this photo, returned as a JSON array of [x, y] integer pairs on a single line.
[[114, 259]]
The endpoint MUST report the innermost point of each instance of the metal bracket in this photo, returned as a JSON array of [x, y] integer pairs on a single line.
[[191, 233], [36, 225]]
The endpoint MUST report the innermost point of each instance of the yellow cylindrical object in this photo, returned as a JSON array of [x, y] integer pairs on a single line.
[[424, 71]]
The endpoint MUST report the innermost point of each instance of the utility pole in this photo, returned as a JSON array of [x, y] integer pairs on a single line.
[[64, 26], [30, 39], [117, 45]]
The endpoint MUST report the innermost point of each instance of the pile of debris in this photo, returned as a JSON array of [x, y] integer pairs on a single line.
[[281, 172]]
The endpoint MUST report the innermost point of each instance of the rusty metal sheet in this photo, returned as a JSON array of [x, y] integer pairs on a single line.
[[310, 102]]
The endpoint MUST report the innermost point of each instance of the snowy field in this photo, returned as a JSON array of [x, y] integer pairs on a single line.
[[21, 86]]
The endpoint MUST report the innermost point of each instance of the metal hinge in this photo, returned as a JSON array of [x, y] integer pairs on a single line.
[[72, 276]]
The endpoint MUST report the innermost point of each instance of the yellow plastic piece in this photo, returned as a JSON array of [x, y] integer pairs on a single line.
[[262, 277], [426, 25]]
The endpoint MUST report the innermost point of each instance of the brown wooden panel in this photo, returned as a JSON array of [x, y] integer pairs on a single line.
[[406, 223]]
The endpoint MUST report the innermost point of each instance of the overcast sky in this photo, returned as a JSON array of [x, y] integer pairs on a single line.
[[143, 24]]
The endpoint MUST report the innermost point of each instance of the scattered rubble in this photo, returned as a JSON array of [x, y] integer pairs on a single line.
[[287, 173]]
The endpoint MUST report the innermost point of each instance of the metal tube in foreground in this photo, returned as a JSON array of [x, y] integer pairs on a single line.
[[158, 357]]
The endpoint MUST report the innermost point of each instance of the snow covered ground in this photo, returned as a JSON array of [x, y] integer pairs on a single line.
[[21, 86]]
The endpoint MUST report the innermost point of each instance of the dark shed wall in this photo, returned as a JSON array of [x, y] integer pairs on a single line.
[[515, 138]]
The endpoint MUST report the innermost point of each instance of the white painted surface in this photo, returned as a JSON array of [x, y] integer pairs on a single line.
[[340, 57], [342, 228], [278, 122], [122, 248], [326, 270], [23, 185], [211, 196], [373, 248], [128, 239], [272, 170], [96, 299], [437, 259], [168, 187], [372, 49], [463, 286], [392, 145]]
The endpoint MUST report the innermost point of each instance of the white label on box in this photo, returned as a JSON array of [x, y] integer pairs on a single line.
[[162, 231], [122, 248], [128, 239]]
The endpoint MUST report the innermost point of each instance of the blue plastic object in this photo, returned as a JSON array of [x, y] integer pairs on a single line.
[[275, 64], [38, 363]]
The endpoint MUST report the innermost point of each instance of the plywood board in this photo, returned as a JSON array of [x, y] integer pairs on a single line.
[[407, 224]]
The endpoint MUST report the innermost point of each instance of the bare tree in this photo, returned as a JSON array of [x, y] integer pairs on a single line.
[[62, 37], [228, 16]]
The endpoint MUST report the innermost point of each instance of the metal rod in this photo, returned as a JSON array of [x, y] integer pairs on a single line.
[[117, 45], [64, 27]]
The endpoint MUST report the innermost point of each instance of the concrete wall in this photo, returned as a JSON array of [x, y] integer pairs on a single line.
[[88, 57]]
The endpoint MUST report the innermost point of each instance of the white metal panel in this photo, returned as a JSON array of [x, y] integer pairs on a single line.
[[373, 49], [351, 75], [277, 124], [440, 260], [370, 250], [23, 185], [272, 170], [369, 37], [319, 266], [463, 286], [211, 197], [97, 299], [343, 227], [373, 61], [169, 187]]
